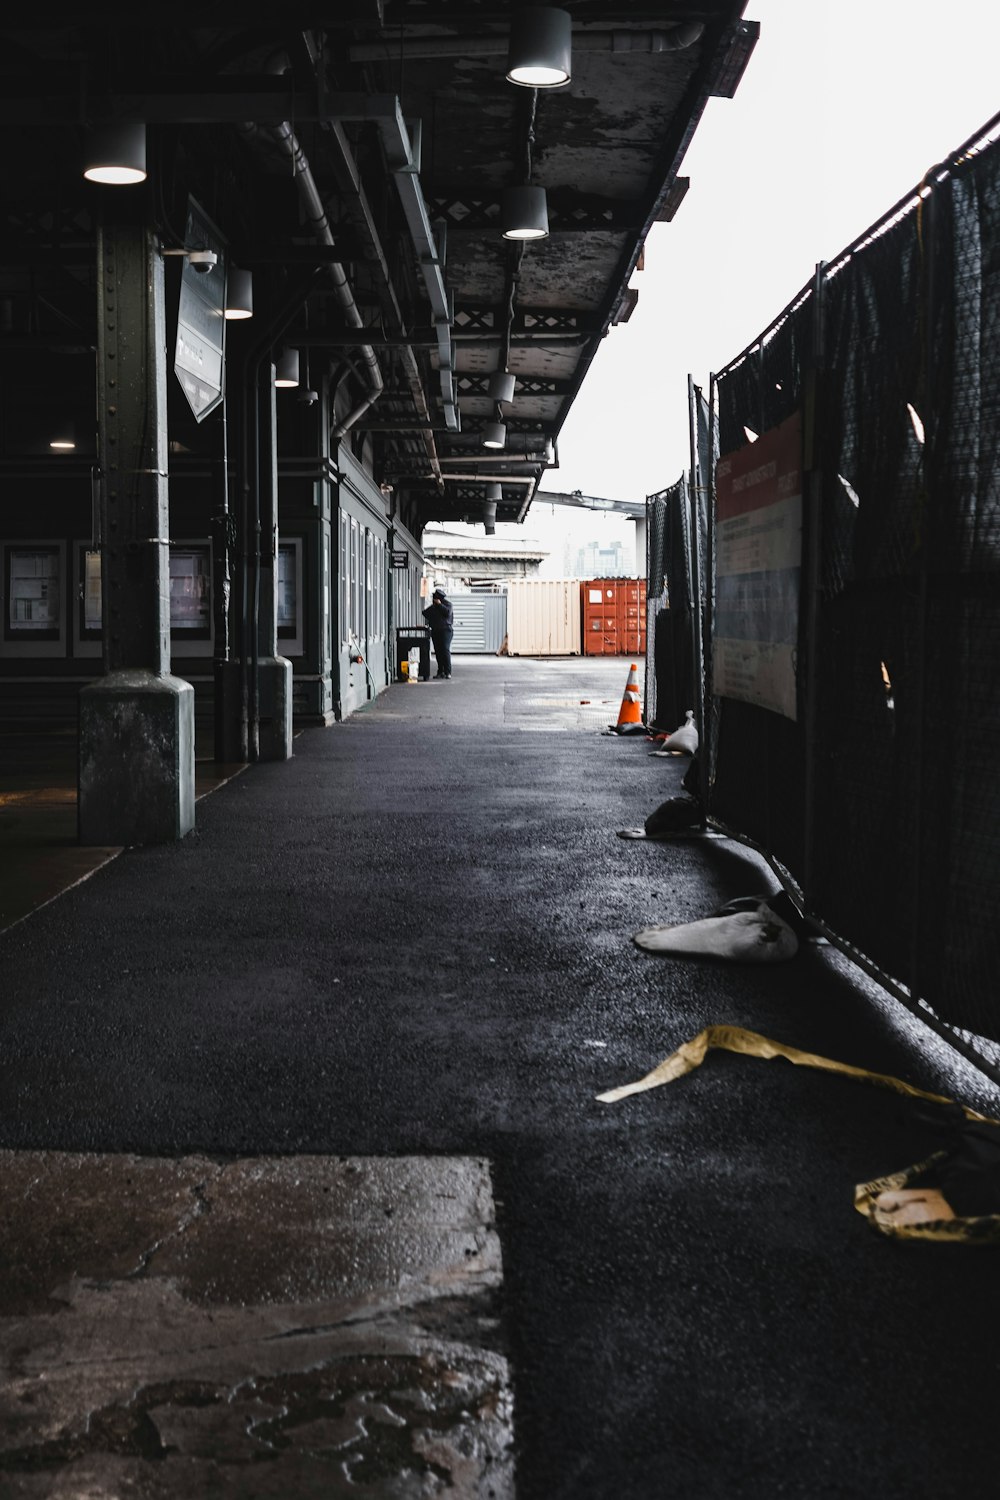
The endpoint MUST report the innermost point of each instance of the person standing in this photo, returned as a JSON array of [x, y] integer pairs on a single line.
[[441, 618]]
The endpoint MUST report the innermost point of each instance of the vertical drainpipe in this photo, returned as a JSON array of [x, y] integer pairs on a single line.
[[222, 544], [250, 396], [253, 697]]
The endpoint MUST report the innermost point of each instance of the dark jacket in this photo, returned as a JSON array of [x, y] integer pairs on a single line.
[[440, 616]]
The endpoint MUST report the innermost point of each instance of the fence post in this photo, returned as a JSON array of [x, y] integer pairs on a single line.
[[696, 492], [707, 748], [812, 494], [927, 254], [650, 643]]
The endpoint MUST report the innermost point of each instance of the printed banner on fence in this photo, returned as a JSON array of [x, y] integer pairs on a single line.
[[758, 569]]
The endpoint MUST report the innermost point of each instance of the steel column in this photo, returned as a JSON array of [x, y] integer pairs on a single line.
[[136, 760]]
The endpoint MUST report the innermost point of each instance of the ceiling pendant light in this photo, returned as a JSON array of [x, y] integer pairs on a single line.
[[501, 386], [64, 440], [116, 154], [540, 45], [286, 371], [495, 435], [493, 493], [239, 294], [524, 213]]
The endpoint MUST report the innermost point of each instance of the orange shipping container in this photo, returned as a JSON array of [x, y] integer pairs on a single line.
[[613, 612]]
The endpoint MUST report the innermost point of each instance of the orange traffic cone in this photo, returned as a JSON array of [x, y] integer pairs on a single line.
[[629, 713]]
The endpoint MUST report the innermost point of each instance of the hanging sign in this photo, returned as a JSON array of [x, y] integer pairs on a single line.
[[400, 558], [758, 570], [199, 355]]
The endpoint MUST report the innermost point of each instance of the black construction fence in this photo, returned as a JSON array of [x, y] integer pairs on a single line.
[[670, 611], [850, 713]]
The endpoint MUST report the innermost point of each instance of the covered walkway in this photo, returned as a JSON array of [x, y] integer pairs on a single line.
[[405, 954]]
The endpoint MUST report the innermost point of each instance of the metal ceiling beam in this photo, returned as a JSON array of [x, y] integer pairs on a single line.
[[527, 385], [636, 509], [732, 67], [676, 194], [471, 320], [426, 339]]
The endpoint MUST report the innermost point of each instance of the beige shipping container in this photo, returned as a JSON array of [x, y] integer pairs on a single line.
[[543, 617]]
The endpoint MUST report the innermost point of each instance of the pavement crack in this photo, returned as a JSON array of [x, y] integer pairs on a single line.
[[198, 1209]]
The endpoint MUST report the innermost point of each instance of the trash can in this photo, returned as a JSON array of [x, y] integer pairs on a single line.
[[408, 637]]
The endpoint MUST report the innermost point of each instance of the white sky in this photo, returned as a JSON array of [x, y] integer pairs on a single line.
[[841, 110]]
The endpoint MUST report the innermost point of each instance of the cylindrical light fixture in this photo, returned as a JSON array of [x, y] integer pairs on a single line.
[[495, 435], [286, 371], [63, 440], [501, 386], [524, 213], [116, 154], [493, 494], [239, 294], [541, 39]]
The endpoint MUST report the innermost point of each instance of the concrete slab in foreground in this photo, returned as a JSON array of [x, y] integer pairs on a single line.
[[306, 1326]]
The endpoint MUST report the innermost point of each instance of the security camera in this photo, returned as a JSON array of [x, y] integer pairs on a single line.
[[202, 260]]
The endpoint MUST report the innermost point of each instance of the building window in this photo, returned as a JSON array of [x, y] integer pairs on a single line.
[[325, 632], [345, 578], [190, 593], [369, 624], [355, 581], [290, 597], [288, 592], [33, 598], [90, 603], [190, 573], [34, 593]]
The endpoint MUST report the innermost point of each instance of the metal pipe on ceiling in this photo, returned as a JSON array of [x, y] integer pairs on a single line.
[[284, 138], [402, 160], [481, 478], [349, 182]]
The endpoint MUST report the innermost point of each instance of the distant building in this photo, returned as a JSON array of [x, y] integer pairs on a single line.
[[476, 561], [601, 560]]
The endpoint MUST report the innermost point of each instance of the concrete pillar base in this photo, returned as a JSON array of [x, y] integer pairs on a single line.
[[274, 708], [136, 766]]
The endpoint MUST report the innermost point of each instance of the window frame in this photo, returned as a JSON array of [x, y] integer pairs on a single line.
[[48, 640]]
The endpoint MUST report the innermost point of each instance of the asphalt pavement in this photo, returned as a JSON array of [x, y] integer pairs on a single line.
[[414, 940]]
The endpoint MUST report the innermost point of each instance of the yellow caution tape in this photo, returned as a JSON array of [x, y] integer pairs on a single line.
[[982, 1230], [751, 1044]]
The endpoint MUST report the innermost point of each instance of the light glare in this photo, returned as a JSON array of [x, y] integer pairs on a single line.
[[115, 176]]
